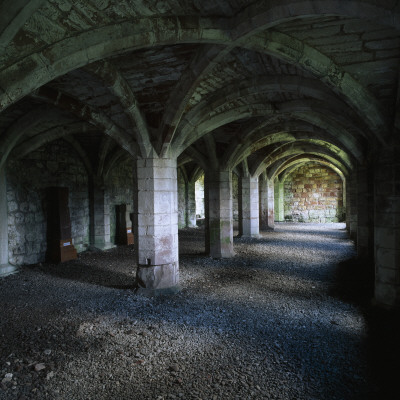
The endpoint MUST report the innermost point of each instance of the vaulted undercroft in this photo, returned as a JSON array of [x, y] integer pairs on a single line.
[[111, 99]]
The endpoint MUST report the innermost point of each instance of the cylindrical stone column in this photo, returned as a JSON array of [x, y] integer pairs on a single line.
[[267, 206], [249, 204], [156, 225], [219, 221]]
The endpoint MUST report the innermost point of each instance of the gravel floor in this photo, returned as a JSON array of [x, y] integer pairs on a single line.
[[267, 324]]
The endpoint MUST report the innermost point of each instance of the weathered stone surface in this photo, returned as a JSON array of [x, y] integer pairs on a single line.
[[156, 244], [249, 201], [155, 277], [313, 193], [219, 223], [28, 179]]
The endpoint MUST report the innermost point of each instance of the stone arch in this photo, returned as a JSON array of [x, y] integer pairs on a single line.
[[13, 15], [89, 114], [268, 14], [118, 156], [316, 117], [288, 150], [283, 169], [274, 135], [215, 110], [48, 136], [118, 85], [90, 46], [69, 54], [17, 130], [298, 53], [341, 160]]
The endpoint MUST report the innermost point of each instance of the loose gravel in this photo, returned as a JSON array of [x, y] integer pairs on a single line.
[[265, 324]]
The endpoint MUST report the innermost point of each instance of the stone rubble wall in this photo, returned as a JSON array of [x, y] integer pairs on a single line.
[[313, 193], [55, 164]]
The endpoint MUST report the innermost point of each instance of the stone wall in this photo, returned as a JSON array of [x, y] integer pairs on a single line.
[[119, 190], [313, 193], [54, 164]]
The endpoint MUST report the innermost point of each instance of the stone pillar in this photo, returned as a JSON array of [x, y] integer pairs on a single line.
[[249, 206], [267, 200], [387, 227], [191, 204], [279, 192], [5, 267], [100, 236], [218, 207], [182, 200], [156, 225], [365, 213], [351, 206]]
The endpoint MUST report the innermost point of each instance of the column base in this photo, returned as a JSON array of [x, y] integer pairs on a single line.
[[7, 269], [225, 254], [255, 236], [267, 229], [157, 292], [157, 277], [104, 246]]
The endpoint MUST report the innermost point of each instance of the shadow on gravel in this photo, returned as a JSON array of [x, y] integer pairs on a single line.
[[79, 271], [354, 283]]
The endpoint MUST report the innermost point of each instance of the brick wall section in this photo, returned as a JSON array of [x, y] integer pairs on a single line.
[[119, 190], [54, 164], [313, 193]]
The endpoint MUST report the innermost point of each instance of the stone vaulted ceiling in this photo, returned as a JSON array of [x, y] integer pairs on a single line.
[[222, 83]]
